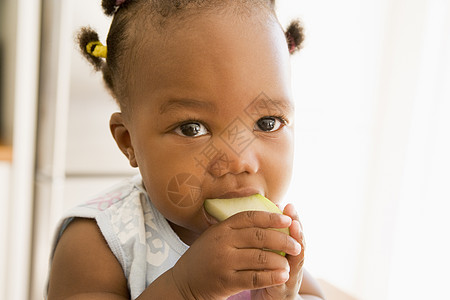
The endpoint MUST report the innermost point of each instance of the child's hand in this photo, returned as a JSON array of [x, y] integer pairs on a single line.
[[228, 257], [290, 289]]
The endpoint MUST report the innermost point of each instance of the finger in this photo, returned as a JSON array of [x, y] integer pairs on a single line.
[[262, 238], [296, 233], [260, 219], [258, 260], [296, 261], [260, 279], [290, 211], [295, 230]]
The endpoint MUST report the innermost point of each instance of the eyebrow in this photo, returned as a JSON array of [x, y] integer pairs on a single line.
[[284, 105], [271, 105], [183, 103], [176, 103]]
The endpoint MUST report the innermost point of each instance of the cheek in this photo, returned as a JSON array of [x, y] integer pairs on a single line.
[[171, 179], [278, 168], [177, 197], [184, 190]]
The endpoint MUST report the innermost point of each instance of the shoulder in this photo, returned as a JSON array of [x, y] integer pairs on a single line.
[[115, 195], [84, 264], [102, 206]]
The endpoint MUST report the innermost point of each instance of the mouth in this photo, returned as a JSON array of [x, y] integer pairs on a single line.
[[245, 192]]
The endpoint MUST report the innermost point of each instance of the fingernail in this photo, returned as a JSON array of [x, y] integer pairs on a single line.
[[285, 276], [298, 247], [285, 218]]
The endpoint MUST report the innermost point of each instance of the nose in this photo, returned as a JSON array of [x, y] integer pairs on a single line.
[[230, 160]]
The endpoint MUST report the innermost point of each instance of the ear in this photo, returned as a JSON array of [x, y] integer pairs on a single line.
[[122, 137]]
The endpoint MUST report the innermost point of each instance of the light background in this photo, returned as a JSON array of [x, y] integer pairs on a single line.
[[372, 171], [371, 180]]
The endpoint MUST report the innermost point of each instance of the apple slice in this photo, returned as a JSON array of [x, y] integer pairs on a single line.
[[222, 209]]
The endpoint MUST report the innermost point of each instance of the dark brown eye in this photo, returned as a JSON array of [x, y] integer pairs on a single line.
[[192, 129], [268, 124]]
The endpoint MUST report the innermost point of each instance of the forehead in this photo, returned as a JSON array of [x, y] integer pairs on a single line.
[[214, 56]]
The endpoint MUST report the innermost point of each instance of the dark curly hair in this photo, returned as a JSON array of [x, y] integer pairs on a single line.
[[128, 15]]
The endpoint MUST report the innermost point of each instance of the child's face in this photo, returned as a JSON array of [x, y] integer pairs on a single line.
[[206, 121]]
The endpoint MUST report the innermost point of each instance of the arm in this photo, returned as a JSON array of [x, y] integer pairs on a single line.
[[84, 267], [310, 289]]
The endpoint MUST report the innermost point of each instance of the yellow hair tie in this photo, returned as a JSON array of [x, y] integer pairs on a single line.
[[96, 49]]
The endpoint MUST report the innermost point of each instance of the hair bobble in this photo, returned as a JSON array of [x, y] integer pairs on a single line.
[[110, 6], [91, 48], [294, 36], [96, 49], [290, 42]]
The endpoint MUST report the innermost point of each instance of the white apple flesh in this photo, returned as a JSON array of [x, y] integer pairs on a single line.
[[222, 209]]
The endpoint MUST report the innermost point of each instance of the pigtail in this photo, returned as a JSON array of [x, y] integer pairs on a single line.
[[294, 36], [91, 48], [95, 52]]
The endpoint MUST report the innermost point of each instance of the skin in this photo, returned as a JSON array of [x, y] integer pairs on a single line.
[[208, 74]]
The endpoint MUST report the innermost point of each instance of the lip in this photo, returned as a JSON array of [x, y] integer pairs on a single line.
[[210, 219], [245, 192]]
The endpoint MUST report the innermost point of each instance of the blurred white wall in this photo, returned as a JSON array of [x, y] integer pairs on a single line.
[[8, 54], [5, 169], [371, 178], [22, 19], [336, 79]]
